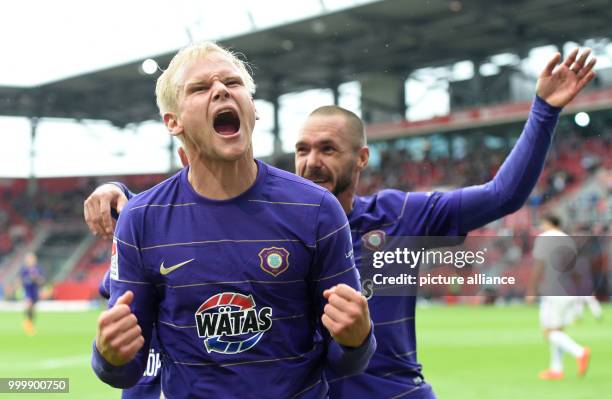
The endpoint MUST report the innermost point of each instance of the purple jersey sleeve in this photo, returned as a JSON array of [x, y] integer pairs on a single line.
[[127, 273], [149, 385], [519, 173], [334, 264], [126, 191], [104, 287]]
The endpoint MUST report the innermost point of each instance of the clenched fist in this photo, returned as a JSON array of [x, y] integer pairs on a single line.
[[119, 336], [346, 315]]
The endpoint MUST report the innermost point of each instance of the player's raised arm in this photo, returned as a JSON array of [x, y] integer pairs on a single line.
[[511, 186], [342, 309]]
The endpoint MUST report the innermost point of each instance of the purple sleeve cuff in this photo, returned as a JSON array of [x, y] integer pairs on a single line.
[[541, 107], [116, 376], [348, 361], [126, 191]]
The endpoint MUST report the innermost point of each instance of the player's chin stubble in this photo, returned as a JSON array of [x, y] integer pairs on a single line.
[[343, 181]]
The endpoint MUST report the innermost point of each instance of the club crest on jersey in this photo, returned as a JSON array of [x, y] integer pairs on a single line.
[[230, 323], [274, 260], [374, 240]]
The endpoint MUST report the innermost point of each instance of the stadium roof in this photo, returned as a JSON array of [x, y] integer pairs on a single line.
[[390, 36]]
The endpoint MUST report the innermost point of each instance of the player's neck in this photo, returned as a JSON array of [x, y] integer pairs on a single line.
[[346, 198], [222, 180]]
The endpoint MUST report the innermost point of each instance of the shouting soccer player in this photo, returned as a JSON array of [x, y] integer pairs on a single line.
[[332, 151], [246, 270]]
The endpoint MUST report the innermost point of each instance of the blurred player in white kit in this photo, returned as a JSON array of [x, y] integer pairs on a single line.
[[554, 254]]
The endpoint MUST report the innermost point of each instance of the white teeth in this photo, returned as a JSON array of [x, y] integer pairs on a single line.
[[226, 111]]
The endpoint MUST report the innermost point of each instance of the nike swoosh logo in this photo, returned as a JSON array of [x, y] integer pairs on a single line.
[[165, 270]]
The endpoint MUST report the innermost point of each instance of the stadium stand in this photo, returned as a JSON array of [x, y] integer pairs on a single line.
[[576, 162], [573, 159], [461, 148]]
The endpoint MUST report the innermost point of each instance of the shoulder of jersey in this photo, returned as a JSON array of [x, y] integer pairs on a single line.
[[298, 185], [388, 199], [156, 194], [390, 195]]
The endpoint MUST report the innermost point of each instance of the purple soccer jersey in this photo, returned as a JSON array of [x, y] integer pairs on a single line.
[[235, 287], [394, 371], [30, 277]]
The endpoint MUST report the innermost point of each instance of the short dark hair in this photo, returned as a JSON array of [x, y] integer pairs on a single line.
[[355, 123], [552, 219]]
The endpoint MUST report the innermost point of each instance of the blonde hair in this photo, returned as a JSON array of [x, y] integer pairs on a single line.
[[169, 83]]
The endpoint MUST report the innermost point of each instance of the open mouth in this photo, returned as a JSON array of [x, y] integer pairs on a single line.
[[227, 122], [316, 177]]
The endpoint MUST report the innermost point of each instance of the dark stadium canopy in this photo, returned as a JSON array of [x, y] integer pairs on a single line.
[[390, 36]]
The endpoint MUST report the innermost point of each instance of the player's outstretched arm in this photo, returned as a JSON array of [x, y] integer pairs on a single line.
[[519, 173], [97, 209]]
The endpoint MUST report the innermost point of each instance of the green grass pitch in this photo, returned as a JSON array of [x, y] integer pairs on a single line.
[[60, 348], [497, 352], [467, 352]]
